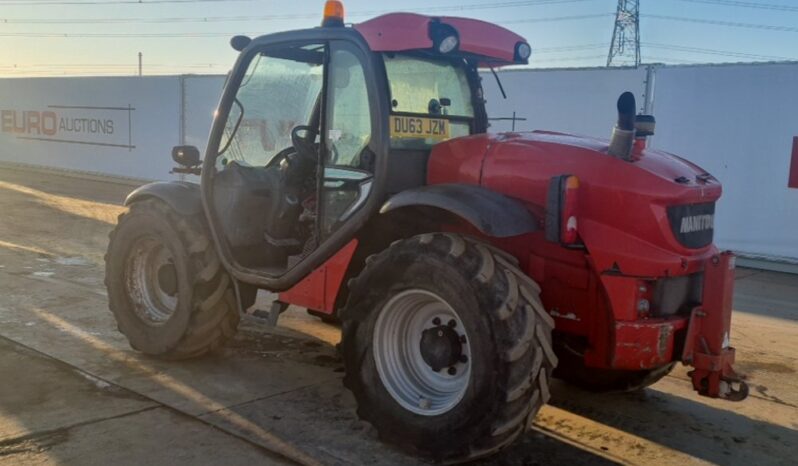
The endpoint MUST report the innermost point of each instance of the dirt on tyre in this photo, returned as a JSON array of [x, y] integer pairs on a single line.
[[166, 287], [447, 347]]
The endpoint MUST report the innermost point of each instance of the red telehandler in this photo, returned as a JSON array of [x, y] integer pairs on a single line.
[[349, 168]]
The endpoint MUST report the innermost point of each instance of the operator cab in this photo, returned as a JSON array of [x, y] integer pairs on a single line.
[[274, 192], [316, 128]]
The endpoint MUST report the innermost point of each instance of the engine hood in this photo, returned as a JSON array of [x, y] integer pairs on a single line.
[[521, 164], [620, 202]]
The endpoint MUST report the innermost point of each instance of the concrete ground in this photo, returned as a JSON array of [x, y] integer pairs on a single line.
[[73, 392]]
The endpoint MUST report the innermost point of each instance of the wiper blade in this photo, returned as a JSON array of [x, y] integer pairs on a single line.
[[499, 82]]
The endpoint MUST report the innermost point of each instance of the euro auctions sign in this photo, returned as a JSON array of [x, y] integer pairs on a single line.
[[71, 124]]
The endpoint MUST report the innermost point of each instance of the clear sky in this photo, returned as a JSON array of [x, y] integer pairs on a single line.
[[100, 37]]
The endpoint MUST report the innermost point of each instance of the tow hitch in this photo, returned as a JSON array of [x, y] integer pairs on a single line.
[[707, 345]]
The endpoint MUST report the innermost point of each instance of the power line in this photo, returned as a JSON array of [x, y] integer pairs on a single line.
[[228, 34], [214, 19], [759, 6], [653, 59], [153, 35], [113, 2], [554, 19], [563, 59], [567, 48], [725, 53], [768, 27], [44, 66]]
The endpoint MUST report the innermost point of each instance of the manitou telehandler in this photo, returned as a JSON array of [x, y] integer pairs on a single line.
[[349, 168]]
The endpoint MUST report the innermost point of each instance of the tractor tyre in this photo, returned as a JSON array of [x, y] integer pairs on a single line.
[[572, 370], [447, 347], [170, 295]]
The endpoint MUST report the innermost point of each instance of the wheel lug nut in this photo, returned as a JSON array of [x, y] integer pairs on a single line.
[[463, 358], [452, 323], [452, 370], [423, 403], [436, 321]]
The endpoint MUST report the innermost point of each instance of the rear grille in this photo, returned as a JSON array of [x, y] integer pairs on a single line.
[[693, 225]]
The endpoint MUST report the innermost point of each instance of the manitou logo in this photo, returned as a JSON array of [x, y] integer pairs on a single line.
[[697, 223]]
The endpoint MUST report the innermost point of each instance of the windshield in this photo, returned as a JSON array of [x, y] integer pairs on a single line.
[[278, 92], [430, 100]]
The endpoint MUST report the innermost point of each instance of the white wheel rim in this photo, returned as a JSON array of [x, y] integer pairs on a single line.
[[152, 303], [404, 372]]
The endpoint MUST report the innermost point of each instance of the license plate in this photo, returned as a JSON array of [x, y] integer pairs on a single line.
[[405, 127]]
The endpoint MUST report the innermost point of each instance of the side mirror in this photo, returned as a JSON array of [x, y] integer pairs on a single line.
[[186, 156], [239, 43]]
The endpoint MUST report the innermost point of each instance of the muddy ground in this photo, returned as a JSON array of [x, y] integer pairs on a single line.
[[72, 391]]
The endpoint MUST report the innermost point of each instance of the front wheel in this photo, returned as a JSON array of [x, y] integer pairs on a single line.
[[166, 287], [447, 347]]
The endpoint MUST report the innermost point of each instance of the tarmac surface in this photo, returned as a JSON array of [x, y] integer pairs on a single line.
[[73, 392]]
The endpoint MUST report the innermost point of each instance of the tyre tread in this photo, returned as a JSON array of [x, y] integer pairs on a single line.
[[214, 316], [527, 358]]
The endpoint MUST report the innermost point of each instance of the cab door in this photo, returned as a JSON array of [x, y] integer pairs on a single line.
[[345, 130], [348, 159]]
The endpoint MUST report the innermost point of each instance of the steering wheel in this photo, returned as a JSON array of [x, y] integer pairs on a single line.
[[300, 151], [305, 149]]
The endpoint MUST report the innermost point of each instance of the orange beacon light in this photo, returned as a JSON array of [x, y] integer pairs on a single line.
[[333, 13]]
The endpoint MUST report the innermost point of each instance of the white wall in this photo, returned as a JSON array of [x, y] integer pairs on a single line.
[[120, 126], [736, 121], [571, 101], [202, 95]]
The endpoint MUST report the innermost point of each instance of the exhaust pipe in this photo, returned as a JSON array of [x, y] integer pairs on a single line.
[[623, 135]]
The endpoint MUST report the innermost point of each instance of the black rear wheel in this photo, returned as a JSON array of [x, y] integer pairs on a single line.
[[166, 287], [447, 347]]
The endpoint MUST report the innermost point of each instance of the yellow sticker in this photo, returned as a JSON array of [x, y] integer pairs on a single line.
[[410, 127]]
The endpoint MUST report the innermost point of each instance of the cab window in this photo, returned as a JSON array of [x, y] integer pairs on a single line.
[[348, 116], [279, 92], [430, 100]]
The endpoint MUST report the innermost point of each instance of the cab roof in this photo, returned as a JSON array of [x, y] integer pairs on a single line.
[[490, 44]]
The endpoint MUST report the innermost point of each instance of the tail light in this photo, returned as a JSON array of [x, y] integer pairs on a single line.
[[643, 298], [562, 205]]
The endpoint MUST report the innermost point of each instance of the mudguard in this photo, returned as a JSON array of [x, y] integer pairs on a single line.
[[491, 213], [181, 196]]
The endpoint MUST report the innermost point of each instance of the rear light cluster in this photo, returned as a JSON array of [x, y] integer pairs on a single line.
[[562, 210], [643, 296]]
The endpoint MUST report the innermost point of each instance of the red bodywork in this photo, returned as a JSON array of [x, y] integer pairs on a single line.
[[409, 31], [319, 290], [592, 292]]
